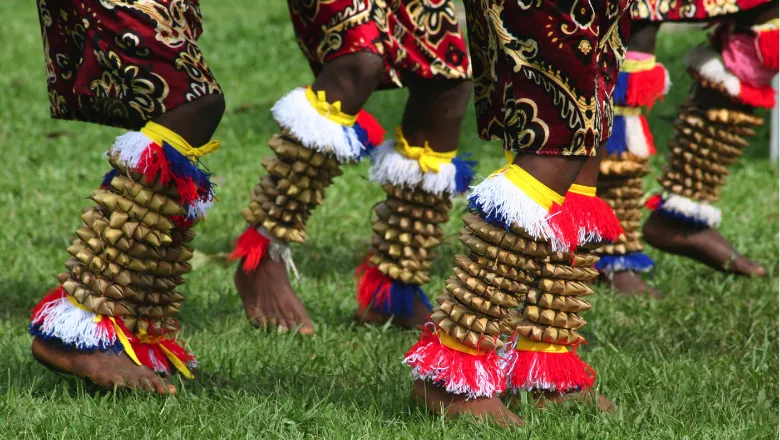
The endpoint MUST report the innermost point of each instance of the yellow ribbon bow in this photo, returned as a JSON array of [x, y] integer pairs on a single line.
[[428, 159], [330, 110], [159, 134]]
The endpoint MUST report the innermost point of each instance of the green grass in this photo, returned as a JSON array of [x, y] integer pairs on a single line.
[[701, 364]]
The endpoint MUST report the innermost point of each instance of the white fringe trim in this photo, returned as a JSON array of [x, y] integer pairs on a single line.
[[588, 234], [295, 113], [705, 61], [280, 251], [199, 208], [72, 325], [691, 208], [498, 195], [393, 167], [636, 141], [130, 147]]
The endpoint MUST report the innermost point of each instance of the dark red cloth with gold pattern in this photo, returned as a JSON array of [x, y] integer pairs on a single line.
[[414, 37], [689, 10], [122, 63], [545, 71]]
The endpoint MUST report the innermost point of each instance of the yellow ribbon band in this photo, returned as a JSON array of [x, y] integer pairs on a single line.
[[525, 344], [768, 25], [159, 134], [177, 363], [125, 342], [529, 185], [449, 341], [626, 111], [428, 159], [589, 191], [632, 66], [332, 111]]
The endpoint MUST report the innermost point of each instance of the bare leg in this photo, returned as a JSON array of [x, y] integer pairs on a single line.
[[433, 114], [266, 293], [196, 123], [705, 244], [624, 282], [557, 173]]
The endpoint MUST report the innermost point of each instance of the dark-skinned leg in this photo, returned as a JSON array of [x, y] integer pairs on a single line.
[[704, 243], [557, 173], [433, 114], [195, 122], [266, 292], [587, 177]]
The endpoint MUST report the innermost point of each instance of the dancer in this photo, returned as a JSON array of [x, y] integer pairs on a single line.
[[528, 266], [355, 48], [731, 77], [112, 319]]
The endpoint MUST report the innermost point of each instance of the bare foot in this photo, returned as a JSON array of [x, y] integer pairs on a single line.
[[269, 300], [542, 398], [419, 316], [630, 283], [436, 399], [105, 370], [703, 244]]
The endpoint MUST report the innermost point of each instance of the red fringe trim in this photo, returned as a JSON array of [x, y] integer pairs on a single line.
[[559, 372], [151, 355], [373, 286], [593, 215], [374, 130], [456, 371], [763, 97], [564, 227], [767, 42], [647, 87], [653, 202], [152, 162], [251, 246]]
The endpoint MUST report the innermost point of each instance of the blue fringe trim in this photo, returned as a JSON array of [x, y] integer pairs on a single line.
[[116, 347], [617, 142], [465, 170], [109, 177], [183, 168], [682, 217], [636, 261], [401, 301], [695, 221], [493, 218], [621, 87], [362, 135]]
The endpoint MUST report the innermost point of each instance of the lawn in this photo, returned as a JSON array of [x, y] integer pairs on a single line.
[[701, 364]]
